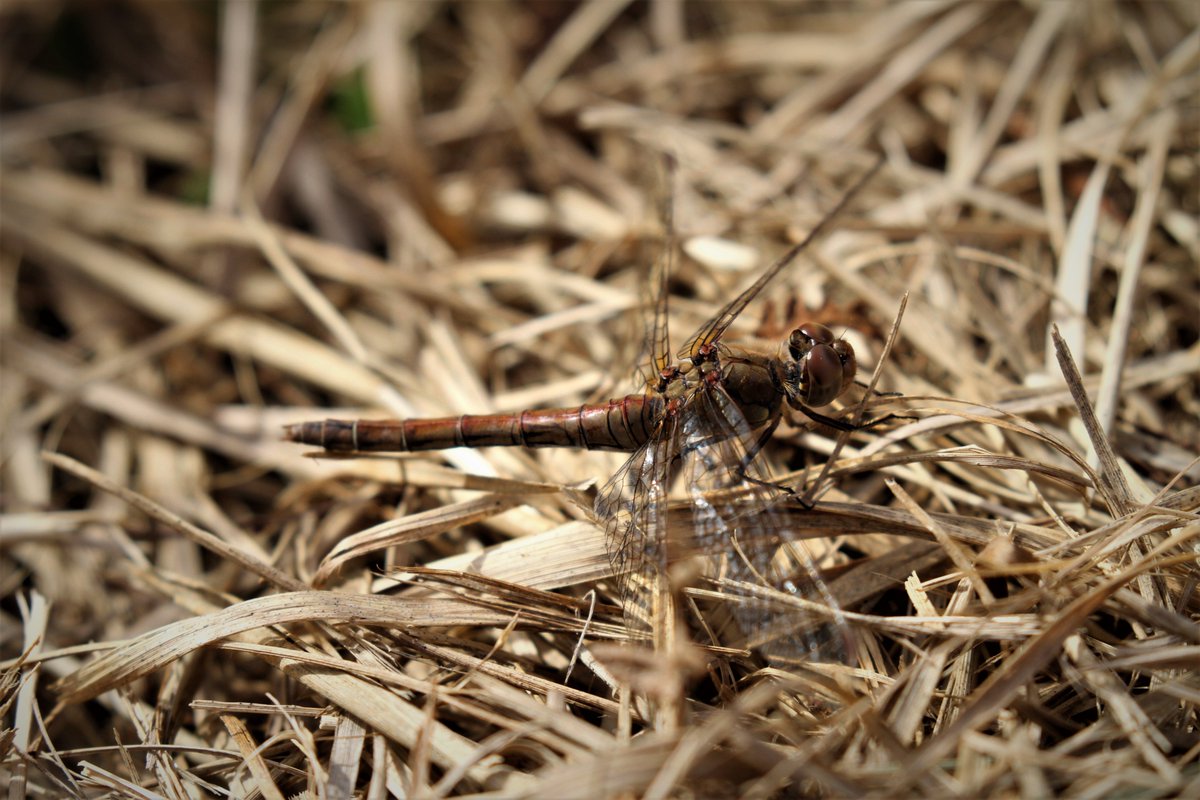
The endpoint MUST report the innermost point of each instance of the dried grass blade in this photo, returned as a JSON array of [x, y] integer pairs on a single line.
[[176, 301], [1112, 484], [345, 758], [1144, 214], [196, 534], [1141, 730], [588, 22], [1069, 307], [1003, 685], [510, 675], [157, 648], [383, 711], [35, 618], [956, 553], [564, 556], [291, 274], [412, 528], [252, 757]]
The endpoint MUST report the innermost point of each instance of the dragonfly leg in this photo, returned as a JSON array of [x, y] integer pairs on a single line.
[[779, 487], [842, 425], [753, 450], [878, 393], [802, 499]]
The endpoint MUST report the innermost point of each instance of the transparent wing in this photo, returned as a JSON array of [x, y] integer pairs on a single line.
[[647, 350], [633, 504], [658, 340], [633, 507], [712, 330], [656, 349], [776, 596]]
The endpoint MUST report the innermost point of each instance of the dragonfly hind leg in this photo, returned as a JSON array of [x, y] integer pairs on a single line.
[[742, 472]]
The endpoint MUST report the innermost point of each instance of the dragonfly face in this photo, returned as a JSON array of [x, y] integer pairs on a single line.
[[818, 365]]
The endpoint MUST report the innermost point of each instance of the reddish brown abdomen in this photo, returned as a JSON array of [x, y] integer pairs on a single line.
[[623, 424]]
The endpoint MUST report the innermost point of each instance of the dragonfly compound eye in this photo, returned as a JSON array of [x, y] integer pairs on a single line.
[[824, 367], [821, 375], [849, 362], [806, 337]]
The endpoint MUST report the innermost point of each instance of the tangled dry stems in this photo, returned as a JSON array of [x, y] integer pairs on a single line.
[[192, 605]]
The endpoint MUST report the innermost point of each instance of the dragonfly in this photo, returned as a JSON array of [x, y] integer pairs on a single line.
[[701, 420]]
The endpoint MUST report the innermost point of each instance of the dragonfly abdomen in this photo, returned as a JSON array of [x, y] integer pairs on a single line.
[[622, 424]]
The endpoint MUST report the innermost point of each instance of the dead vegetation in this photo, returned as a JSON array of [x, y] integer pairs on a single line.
[[217, 223]]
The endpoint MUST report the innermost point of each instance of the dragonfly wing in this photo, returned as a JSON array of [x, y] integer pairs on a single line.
[[632, 506], [656, 348], [658, 340], [778, 599], [715, 328]]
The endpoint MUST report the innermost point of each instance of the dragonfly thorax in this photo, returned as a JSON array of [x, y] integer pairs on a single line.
[[818, 366]]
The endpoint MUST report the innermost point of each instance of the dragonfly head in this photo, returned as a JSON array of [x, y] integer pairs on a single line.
[[818, 365]]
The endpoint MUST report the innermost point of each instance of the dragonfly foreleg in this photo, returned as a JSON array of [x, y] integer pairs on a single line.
[[876, 392], [842, 425]]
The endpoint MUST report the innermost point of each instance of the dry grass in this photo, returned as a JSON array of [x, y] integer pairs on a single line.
[[437, 208]]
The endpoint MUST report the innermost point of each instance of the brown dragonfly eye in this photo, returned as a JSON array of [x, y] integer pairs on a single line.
[[807, 336], [849, 362], [824, 364]]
